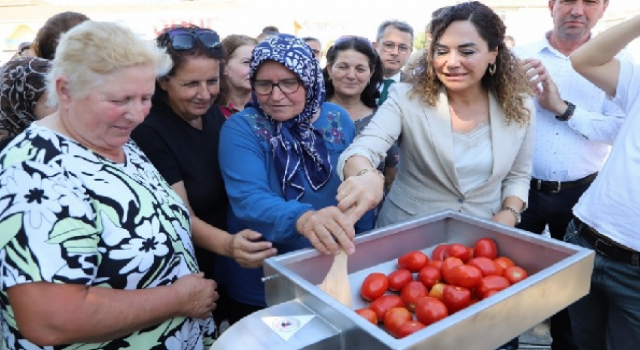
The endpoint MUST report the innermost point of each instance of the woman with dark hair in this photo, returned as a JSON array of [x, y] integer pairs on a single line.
[[49, 34], [235, 87], [23, 98], [353, 74], [278, 160], [465, 124], [180, 137]]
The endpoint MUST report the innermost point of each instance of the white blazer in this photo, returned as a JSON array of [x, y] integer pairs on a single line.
[[426, 181]]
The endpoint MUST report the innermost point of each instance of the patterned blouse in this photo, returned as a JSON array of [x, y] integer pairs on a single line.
[[68, 215]]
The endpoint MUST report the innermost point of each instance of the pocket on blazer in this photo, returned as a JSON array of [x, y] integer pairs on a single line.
[[403, 201]]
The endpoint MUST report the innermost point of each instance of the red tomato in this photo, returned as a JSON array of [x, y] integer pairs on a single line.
[[486, 247], [408, 328], [456, 298], [490, 283], [374, 286], [369, 315], [396, 317], [438, 252], [459, 251], [429, 276], [487, 266], [430, 310], [413, 261], [436, 290], [435, 263], [411, 292], [384, 303], [465, 276], [504, 261], [398, 278], [490, 293], [515, 274], [448, 264]]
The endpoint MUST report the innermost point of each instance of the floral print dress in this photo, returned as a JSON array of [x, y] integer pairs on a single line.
[[68, 215]]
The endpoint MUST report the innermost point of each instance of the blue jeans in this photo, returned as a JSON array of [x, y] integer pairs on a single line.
[[609, 316]]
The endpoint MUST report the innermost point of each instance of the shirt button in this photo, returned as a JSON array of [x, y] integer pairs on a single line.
[[460, 200]]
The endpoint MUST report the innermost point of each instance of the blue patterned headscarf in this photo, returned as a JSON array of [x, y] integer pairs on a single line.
[[296, 142]]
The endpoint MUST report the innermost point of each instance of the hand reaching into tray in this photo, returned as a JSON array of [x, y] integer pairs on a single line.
[[329, 230], [360, 193]]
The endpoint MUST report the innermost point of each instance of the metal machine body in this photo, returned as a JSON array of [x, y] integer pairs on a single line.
[[301, 316]]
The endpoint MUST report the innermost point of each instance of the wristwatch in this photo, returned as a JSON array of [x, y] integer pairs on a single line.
[[568, 113]]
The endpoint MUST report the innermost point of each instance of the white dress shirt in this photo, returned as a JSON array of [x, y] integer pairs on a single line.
[[611, 204], [568, 151]]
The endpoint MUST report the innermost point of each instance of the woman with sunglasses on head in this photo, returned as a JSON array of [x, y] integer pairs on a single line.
[[235, 87], [96, 250], [352, 74], [181, 135], [278, 161], [465, 125]]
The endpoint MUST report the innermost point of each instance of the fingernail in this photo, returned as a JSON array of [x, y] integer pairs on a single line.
[[351, 250]]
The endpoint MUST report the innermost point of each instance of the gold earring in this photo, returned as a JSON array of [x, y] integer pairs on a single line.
[[492, 68]]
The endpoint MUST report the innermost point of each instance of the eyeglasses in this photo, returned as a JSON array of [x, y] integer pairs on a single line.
[[389, 46], [265, 87], [185, 39], [361, 39]]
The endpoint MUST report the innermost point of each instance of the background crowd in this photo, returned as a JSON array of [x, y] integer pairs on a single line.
[[142, 184]]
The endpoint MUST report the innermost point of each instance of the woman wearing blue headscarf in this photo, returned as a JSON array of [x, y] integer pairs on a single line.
[[278, 160]]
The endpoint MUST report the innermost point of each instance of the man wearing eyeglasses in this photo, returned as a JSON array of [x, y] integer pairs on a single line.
[[315, 45], [394, 44]]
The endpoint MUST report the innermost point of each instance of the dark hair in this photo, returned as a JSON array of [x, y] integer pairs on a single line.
[[231, 43], [363, 46], [306, 39], [270, 30], [179, 57], [48, 36], [508, 84]]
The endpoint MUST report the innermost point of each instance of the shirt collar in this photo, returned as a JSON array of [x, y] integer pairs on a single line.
[[395, 77]]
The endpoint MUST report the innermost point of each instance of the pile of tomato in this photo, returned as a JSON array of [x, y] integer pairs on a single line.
[[455, 277]]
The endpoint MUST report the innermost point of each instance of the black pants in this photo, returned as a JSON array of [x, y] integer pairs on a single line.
[[555, 210], [237, 310]]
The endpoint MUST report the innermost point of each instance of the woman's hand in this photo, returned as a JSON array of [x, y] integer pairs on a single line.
[[244, 249], [359, 194], [328, 230], [198, 295], [505, 217]]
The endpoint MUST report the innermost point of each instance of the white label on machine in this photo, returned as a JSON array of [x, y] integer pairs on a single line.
[[287, 326]]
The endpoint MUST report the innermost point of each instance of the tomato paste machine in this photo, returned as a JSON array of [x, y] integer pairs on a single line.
[[301, 316]]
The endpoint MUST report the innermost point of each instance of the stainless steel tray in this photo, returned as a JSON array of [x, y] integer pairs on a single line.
[[560, 274]]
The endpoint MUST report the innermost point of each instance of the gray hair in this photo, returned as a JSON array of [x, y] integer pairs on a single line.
[[399, 25]]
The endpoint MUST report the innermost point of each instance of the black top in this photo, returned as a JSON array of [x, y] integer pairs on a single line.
[[181, 152]]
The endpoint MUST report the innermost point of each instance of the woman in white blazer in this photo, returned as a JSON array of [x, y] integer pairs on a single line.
[[464, 130]]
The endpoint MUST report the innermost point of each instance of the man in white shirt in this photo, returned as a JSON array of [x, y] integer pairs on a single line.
[[607, 217], [576, 124], [394, 44]]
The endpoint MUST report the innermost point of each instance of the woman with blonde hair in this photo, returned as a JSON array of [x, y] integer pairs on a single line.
[[96, 249], [465, 128]]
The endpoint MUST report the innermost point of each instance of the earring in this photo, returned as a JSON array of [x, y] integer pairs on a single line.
[[492, 68]]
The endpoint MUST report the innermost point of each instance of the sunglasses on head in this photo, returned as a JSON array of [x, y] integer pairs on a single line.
[[185, 39], [346, 38]]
